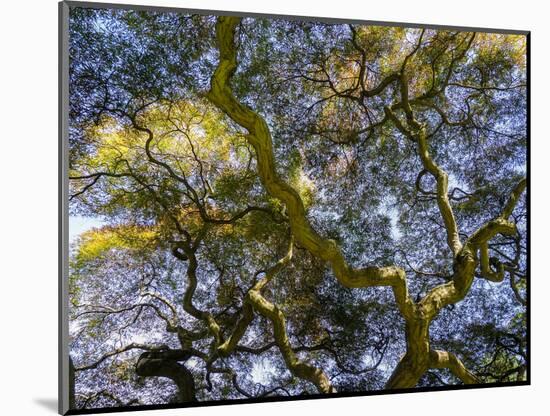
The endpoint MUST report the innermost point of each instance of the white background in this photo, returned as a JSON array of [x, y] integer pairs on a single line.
[[28, 204]]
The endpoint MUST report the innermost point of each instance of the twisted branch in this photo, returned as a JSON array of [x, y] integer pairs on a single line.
[[259, 137]]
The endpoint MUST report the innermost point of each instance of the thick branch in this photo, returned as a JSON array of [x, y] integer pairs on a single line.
[[453, 239], [487, 231], [466, 260], [231, 342], [275, 315], [514, 197], [295, 365], [444, 359], [442, 178], [161, 364], [259, 137], [188, 305], [486, 270]]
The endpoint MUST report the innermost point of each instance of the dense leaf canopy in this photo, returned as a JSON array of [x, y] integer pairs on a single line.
[[288, 207]]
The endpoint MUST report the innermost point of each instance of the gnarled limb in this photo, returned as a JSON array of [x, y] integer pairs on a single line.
[[442, 178], [275, 315], [253, 300], [231, 342], [188, 305], [296, 366], [486, 270], [466, 260], [501, 224], [418, 135], [415, 362], [259, 137], [247, 311], [465, 266], [514, 197], [487, 231], [417, 316], [445, 359], [165, 364], [452, 292]]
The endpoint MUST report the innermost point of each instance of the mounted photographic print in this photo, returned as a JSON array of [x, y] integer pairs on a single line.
[[265, 208]]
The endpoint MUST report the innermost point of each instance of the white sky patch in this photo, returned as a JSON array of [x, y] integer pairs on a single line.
[[388, 209], [262, 371], [393, 214], [79, 225]]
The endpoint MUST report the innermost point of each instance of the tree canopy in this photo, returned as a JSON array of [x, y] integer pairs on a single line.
[[291, 207]]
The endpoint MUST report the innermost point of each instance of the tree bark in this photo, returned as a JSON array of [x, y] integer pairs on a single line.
[[157, 364], [418, 316]]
